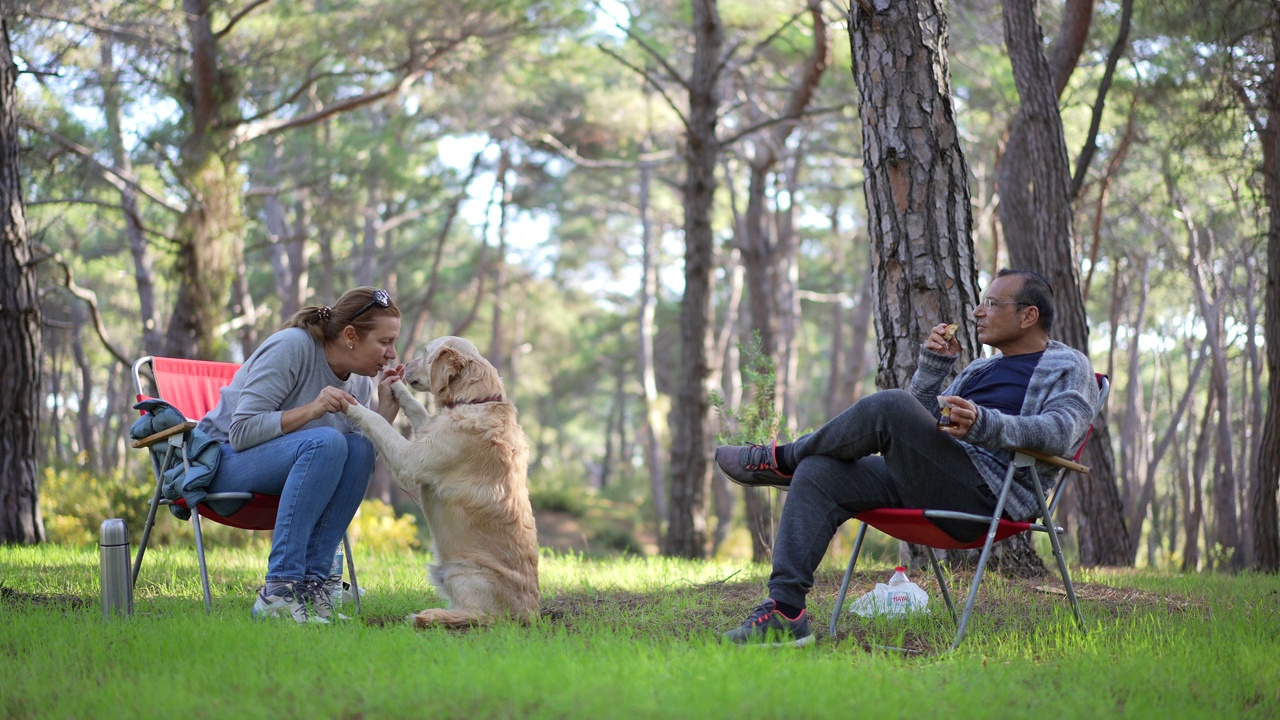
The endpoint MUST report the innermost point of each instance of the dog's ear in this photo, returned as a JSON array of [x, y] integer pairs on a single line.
[[446, 367]]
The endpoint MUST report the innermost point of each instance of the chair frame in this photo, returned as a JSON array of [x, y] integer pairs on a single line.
[[176, 439], [1023, 458]]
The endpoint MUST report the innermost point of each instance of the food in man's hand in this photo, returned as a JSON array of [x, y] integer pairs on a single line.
[[944, 414], [950, 332]]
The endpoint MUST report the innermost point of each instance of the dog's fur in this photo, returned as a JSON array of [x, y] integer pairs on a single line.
[[468, 463]]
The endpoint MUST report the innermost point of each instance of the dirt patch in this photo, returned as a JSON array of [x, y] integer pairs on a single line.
[[9, 596]]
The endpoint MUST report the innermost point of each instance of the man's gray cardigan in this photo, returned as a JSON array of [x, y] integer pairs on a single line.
[[1056, 413]]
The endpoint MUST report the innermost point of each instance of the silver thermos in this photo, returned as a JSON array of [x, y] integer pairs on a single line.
[[117, 577]]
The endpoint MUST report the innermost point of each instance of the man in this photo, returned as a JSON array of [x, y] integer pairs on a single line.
[[890, 450]]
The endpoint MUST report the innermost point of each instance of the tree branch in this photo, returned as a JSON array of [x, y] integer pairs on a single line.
[[100, 203], [69, 282], [780, 119], [1095, 121], [240, 16], [650, 79], [116, 177]]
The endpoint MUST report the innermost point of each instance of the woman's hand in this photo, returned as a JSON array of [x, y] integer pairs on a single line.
[[388, 405], [330, 400]]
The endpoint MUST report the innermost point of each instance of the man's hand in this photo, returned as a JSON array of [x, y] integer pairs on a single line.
[[963, 415], [942, 340]]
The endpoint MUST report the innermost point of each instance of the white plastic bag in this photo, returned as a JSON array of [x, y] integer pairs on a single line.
[[899, 596]]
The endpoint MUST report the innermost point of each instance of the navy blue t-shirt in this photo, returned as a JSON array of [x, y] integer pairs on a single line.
[[1002, 384]]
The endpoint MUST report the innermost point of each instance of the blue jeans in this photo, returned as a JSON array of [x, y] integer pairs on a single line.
[[320, 475]]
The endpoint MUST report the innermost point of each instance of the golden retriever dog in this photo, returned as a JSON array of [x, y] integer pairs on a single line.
[[468, 466]]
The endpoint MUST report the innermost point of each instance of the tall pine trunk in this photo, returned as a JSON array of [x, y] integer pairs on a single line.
[[209, 239], [690, 469], [1044, 244], [20, 336], [1266, 524]]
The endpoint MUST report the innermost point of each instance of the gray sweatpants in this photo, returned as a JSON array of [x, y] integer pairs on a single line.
[[883, 451]]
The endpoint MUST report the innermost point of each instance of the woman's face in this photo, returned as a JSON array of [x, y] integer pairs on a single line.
[[377, 350]]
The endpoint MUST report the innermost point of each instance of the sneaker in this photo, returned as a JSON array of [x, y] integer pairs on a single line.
[[322, 601], [767, 627], [752, 465], [290, 601]]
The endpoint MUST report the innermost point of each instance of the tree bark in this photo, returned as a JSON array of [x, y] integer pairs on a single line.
[[917, 192], [20, 331], [1040, 239], [690, 469], [1266, 517], [209, 239]]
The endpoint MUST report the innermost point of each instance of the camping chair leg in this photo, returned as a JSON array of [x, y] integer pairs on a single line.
[[1057, 552], [351, 569], [151, 512], [942, 582], [204, 570], [844, 584], [986, 551]]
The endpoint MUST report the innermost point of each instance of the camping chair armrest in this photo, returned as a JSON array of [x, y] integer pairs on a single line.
[[150, 440], [1054, 460]]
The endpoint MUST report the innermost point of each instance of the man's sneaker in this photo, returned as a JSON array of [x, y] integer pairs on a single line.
[[322, 601], [752, 465], [289, 601], [767, 627]]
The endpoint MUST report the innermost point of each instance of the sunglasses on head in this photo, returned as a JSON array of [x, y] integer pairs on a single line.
[[380, 298]]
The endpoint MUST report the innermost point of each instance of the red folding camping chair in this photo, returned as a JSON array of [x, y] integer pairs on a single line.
[[916, 525], [194, 388]]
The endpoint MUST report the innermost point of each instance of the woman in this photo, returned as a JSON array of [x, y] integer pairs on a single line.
[[283, 432]]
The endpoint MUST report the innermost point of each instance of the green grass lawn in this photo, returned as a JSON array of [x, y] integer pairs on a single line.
[[630, 637]]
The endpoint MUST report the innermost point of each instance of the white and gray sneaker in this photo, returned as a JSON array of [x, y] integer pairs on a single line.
[[288, 601], [322, 600]]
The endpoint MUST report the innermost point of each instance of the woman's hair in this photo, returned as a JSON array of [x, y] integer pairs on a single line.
[[1036, 291], [358, 307]]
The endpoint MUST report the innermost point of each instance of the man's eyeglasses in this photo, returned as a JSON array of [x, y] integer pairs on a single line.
[[991, 305], [380, 298]]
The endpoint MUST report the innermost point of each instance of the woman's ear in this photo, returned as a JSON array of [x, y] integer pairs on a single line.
[[350, 337]]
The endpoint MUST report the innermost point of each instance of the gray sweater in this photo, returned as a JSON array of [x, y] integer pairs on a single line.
[[1056, 414], [289, 370]]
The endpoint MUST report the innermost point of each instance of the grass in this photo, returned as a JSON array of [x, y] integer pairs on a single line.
[[628, 637]]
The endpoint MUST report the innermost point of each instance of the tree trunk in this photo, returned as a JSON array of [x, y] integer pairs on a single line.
[[653, 428], [144, 277], [1040, 239], [918, 205], [20, 336], [916, 189], [209, 238], [1266, 519], [690, 469]]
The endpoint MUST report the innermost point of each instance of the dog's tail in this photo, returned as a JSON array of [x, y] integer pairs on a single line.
[[456, 619]]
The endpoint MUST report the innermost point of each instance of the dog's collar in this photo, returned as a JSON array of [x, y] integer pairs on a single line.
[[491, 398]]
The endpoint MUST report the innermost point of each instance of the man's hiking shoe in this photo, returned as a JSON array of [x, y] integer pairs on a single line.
[[767, 627], [752, 465], [289, 601]]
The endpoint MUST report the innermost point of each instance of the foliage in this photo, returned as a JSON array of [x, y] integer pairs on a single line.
[[378, 529], [758, 421]]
